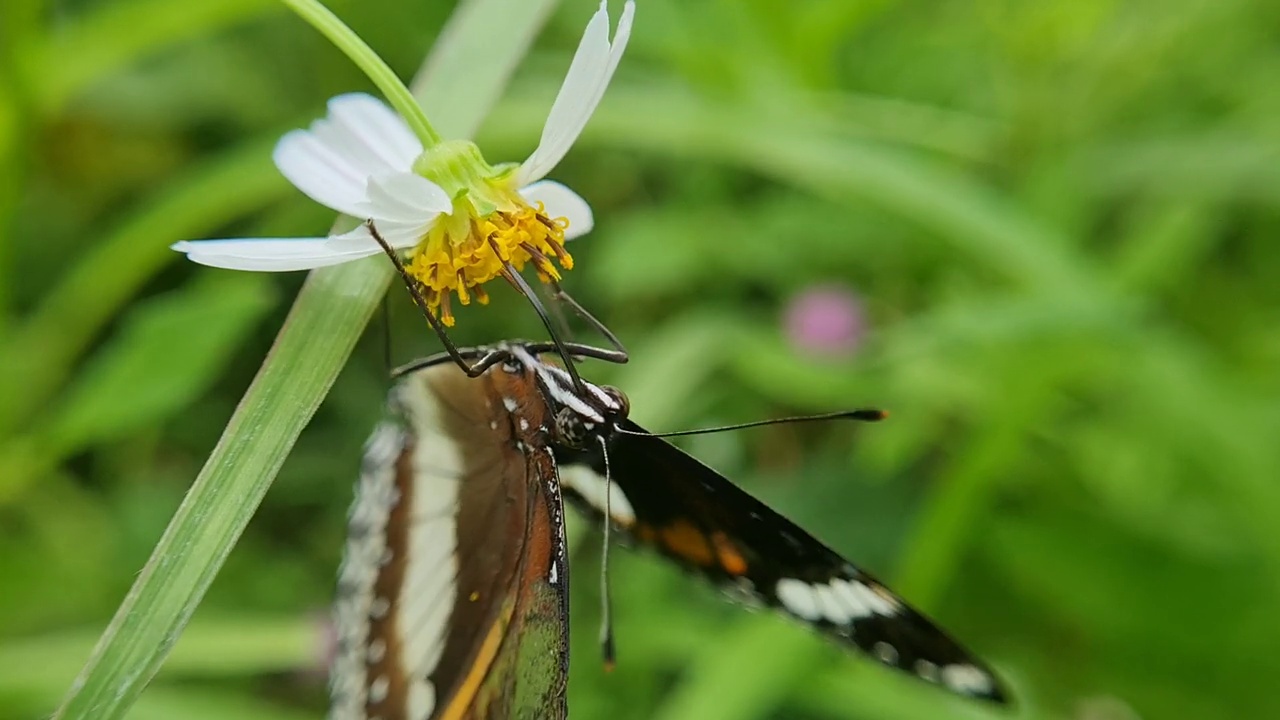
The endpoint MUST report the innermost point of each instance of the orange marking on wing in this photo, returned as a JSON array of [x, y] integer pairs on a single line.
[[730, 558], [466, 693], [646, 533], [688, 542]]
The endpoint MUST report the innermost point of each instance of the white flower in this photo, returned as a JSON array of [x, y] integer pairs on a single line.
[[444, 208]]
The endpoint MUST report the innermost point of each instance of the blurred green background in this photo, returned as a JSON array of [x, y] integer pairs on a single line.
[[1040, 234]]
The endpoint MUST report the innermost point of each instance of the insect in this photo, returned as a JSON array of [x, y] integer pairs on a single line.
[[453, 593], [512, 275]]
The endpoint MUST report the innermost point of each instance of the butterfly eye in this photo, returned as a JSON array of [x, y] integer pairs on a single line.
[[571, 430], [619, 398]]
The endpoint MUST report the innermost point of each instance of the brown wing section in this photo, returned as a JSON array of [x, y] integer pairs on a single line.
[[528, 675], [531, 669], [449, 605]]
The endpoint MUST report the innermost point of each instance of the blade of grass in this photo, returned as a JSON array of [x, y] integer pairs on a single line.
[[761, 659], [332, 307], [331, 310], [199, 704], [210, 647], [112, 268], [944, 528], [112, 35]]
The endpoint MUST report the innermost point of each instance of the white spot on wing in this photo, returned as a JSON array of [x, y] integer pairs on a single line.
[[887, 653], [510, 404], [850, 599], [799, 598], [422, 699], [861, 600], [742, 590], [877, 602], [830, 606], [428, 592], [366, 544], [965, 678], [378, 689], [591, 486]]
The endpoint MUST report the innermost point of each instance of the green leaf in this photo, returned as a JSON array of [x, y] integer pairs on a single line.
[[166, 703], [242, 646], [36, 358], [115, 34], [760, 658], [166, 354]]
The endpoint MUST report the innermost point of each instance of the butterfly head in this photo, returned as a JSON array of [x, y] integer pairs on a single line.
[[576, 430], [581, 413]]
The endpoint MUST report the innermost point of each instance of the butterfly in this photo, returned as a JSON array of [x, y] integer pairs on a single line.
[[453, 592]]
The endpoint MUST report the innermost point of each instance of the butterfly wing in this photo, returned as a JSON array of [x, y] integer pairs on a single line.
[[531, 672], [451, 599], [668, 501]]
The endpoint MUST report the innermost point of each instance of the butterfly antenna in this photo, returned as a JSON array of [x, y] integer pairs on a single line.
[[607, 648], [513, 276], [416, 293], [863, 415]]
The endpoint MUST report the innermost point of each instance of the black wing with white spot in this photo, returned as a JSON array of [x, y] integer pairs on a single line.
[[671, 502]]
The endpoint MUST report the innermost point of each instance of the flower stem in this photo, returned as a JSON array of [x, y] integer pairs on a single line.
[[322, 19]]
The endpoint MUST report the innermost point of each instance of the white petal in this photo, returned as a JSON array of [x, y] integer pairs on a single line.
[[560, 201], [589, 74], [333, 161], [270, 254], [404, 197], [401, 236], [319, 172], [380, 129]]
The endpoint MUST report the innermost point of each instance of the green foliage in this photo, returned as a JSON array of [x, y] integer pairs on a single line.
[[165, 354], [1056, 216]]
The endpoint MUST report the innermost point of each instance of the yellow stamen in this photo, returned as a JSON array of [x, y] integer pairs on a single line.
[[463, 297], [446, 312], [465, 251], [546, 271]]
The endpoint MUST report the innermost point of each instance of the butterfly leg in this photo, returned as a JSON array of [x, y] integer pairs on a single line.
[[511, 275], [561, 296], [472, 370]]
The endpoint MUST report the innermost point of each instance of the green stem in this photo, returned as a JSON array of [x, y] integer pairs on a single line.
[[322, 19]]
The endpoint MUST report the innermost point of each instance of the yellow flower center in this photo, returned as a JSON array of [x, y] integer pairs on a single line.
[[465, 250]]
